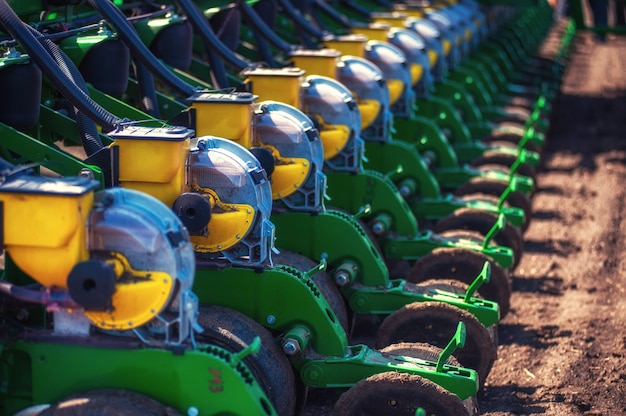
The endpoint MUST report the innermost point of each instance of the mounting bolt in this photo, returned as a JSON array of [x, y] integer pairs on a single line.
[[378, 228], [86, 173], [342, 278], [271, 319], [291, 347]]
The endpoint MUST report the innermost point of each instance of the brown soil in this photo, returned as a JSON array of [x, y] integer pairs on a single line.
[[563, 344]]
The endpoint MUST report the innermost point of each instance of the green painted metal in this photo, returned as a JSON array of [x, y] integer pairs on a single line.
[[351, 192], [279, 298], [411, 248], [32, 150], [421, 190], [385, 157], [386, 300], [457, 341], [7, 59], [26, 8], [149, 29], [455, 178], [370, 290], [431, 209], [336, 236], [285, 300], [76, 47], [427, 136], [362, 362], [44, 369]]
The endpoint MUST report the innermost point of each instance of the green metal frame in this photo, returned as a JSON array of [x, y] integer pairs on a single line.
[[352, 192], [43, 369], [369, 289]]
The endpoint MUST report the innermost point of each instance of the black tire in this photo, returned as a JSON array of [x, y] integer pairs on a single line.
[[519, 112], [464, 265], [323, 280], [481, 221], [510, 138], [513, 118], [459, 288], [234, 331], [496, 158], [502, 135], [429, 352], [399, 394], [435, 323], [109, 402], [496, 188], [493, 200], [497, 168], [527, 103]]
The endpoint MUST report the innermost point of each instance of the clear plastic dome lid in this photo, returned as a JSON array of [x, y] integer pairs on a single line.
[[425, 28], [145, 231], [289, 130], [452, 32], [235, 175], [331, 101], [293, 135], [229, 170], [441, 18], [410, 43], [389, 58], [151, 238], [472, 19], [363, 78]]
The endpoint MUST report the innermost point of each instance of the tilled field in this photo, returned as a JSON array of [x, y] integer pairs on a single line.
[[563, 345]]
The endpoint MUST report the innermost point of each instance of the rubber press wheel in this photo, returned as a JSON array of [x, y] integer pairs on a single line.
[[496, 188], [496, 167], [494, 200], [399, 394], [502, 135], [235, 331], [323, 280], [430, 352], [469, 219], [464, 265], [505, 160], [459, 288], [435, 323], [109, 402], [513, 113]]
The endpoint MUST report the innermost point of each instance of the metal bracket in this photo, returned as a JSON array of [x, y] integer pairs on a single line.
[[457, 341]]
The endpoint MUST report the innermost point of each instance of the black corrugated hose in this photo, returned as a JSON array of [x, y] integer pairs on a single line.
[[22, 33], [204, 30], [139, 51], [88, 131]]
